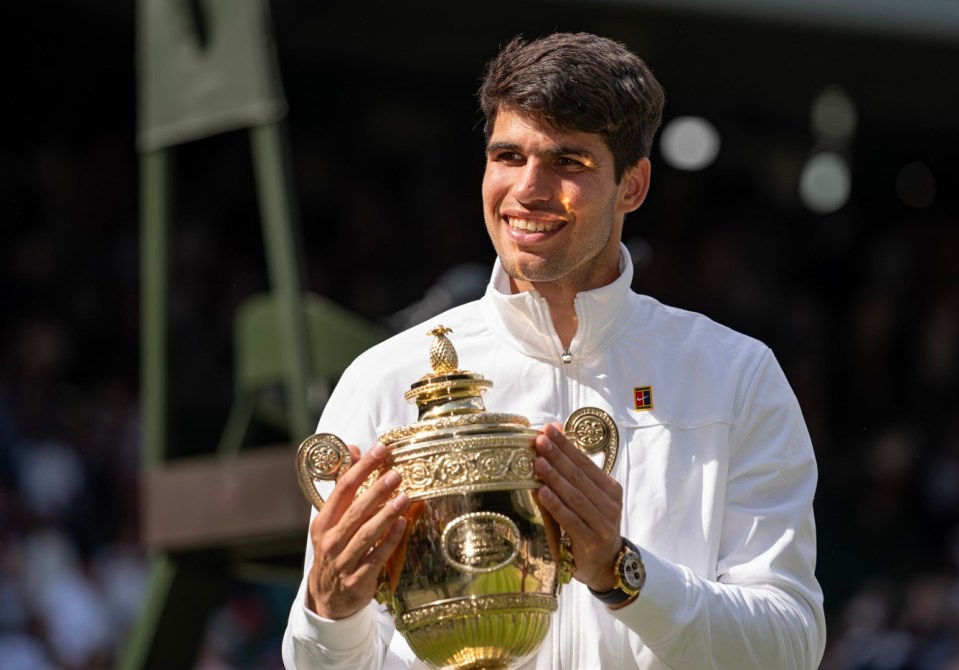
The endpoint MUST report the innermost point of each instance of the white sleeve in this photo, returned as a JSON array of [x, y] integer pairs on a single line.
[[765, 608], [361, 641], [313, 642]]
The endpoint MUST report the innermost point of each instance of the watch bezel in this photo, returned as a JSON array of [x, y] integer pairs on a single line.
[[624, 590], [631, 570]]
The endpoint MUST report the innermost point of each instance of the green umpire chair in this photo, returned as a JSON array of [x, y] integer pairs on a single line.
[[239, 513], [335, 336]]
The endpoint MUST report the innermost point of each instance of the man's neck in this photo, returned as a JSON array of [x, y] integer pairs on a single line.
[[561, 295], [562, 310]]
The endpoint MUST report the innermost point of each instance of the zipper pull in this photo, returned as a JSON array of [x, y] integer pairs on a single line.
[[567, 356]]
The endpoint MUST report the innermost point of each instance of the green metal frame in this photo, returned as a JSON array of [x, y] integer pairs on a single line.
[[184, 589]]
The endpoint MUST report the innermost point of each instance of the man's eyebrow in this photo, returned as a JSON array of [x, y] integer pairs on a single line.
[[501, 146], [554, 152]]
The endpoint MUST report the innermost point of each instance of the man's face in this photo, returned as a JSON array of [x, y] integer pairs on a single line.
[[552, 206]]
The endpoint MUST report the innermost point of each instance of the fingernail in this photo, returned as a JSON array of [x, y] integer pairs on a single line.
[[542, 465], [552, 430], [400, 502], [378, 450], [391, 478]]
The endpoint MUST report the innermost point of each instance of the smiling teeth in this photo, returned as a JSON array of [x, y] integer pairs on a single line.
[[532, 226]]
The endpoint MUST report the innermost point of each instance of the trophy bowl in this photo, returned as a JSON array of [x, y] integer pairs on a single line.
[[476, 578]]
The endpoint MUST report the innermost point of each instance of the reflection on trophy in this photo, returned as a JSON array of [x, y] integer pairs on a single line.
[[475, 581]]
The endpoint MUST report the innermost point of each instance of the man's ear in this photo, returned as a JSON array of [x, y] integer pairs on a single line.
[[635, 185]]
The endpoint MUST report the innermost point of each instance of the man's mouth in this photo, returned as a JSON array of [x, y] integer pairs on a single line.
[[533, 226]]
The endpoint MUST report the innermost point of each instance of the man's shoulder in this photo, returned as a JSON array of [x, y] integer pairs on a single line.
[[676, 327], [654, 314]]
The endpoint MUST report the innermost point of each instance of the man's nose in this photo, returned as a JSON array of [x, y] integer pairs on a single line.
[[533, 182]]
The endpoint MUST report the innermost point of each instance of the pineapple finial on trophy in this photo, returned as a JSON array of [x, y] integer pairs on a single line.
[[447, 389], [443, 355]]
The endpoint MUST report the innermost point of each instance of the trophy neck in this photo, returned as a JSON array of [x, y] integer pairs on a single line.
[[448, 394]]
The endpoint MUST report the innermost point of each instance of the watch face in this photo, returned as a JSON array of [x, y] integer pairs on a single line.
[[633, 571]]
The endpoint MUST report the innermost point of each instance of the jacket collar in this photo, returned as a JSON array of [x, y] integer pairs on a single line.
[[524, 317]]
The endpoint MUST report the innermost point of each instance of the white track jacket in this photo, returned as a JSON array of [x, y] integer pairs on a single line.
[[715, 461]]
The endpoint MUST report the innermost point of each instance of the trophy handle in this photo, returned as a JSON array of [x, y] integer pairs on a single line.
[[592, 430], [322, 457]]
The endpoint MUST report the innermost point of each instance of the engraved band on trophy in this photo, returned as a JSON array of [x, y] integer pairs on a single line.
[[475, 580]]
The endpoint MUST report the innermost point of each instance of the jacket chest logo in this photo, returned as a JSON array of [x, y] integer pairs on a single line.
[[643, 397]]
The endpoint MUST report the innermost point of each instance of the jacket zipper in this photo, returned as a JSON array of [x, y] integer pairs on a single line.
[[568, 372]]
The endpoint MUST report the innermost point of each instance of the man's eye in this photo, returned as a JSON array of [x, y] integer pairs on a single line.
[[570, 163], [508, 157]]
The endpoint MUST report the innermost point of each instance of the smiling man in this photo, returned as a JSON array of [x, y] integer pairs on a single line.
[[698, 549], [554, 209]]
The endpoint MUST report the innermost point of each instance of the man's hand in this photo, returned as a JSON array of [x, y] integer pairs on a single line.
[[353, 537], [585, 501]]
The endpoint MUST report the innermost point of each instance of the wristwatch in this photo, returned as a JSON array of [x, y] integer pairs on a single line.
[[630, 573]]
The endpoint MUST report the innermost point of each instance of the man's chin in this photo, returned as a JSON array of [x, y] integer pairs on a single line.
[[533, 273]]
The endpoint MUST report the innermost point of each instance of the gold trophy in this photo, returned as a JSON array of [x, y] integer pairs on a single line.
[[475, 580]]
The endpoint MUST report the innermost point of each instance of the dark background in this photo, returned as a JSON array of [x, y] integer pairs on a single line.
[[861, 306]]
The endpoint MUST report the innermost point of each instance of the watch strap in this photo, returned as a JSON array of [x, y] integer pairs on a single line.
[[614, 596]]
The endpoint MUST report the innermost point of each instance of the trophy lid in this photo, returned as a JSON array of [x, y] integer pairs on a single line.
[[449, 399], [447, 390]]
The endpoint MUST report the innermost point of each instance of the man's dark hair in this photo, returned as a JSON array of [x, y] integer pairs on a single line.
[[578, 82]]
